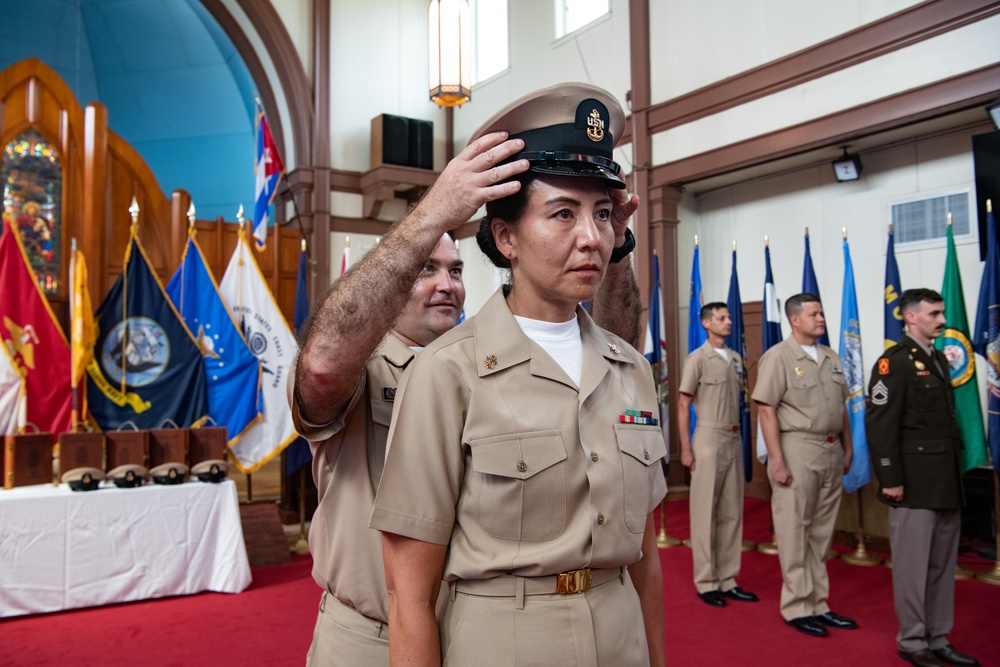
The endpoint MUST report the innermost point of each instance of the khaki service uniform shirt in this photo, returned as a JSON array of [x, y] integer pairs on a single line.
[[348, 455], [715, 384], [497, 453], [808, 396]]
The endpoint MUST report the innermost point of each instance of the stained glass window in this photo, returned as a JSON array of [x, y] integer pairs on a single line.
[[31, 173]]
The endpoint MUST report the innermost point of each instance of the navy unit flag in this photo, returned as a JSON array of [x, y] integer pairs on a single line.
[[811, 286], [696, 333], [770, 331], [147, 366], [893, 316], [737, 341], [299, 452], [232, 372]]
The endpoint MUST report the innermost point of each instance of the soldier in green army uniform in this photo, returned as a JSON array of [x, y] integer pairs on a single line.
[[916, 447]]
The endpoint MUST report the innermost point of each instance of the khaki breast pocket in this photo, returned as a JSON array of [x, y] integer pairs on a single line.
[[641, 446], [519, 485], [805, 390]]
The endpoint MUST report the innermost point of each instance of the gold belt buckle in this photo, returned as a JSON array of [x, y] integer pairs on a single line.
[[575, 581]]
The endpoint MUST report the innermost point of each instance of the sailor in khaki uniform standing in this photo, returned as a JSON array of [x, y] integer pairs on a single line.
[[712, 379], [356, 345], [800, 394], [524, 457], [916, 451]]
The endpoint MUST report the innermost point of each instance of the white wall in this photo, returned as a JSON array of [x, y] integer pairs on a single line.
[[783, 206], [698, 42]]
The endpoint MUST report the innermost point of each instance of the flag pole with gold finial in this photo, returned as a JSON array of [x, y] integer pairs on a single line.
[[240, 243]]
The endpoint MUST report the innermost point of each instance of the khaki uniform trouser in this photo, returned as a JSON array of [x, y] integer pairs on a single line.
[[346, 637], [805, 513], [924, 549], [598, 627], [716, 507]]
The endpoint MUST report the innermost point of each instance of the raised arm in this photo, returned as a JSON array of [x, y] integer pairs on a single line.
[[616, 306], [360, 308]]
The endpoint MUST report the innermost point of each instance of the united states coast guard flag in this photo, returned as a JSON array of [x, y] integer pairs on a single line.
[[770, 332], [147, 367], [696, 333], [655, 351], [268, 168], [737, 341], [232, 371], [986, 337], [850, 356], [245, 291]]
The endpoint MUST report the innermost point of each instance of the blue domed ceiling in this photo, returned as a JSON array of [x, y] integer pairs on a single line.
[[172, 81]]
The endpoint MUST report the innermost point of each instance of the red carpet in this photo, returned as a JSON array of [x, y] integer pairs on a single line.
[[271, 622]]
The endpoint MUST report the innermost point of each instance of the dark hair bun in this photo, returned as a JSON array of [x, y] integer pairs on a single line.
[[484, 237]]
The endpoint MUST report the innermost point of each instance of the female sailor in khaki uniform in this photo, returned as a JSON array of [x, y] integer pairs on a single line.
[[521, 469]]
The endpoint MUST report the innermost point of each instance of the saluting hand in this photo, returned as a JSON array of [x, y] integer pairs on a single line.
[[474, 177], [623, 207]]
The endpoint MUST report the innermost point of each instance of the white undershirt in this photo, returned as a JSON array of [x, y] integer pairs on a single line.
[[811, 351], [561, 340], [721, 351]]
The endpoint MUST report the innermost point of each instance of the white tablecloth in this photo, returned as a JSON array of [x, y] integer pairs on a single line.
[[61, 549]]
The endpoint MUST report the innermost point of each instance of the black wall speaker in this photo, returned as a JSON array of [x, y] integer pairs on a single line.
[[986, 158], [421, 144], [390, 141]]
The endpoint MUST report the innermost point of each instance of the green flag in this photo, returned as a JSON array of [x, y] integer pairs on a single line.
[[961, 362]]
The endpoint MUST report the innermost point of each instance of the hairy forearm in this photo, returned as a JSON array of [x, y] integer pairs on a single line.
[[616, 305], [356, 313]]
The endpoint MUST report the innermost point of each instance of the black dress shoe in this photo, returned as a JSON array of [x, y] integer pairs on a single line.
[[808, 625], [836, 621], [923, 658], [952, 656], [713, 598], [737, 593]]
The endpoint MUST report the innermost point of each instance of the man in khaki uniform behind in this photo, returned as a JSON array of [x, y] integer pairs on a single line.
[[800, 394], [712, 379]]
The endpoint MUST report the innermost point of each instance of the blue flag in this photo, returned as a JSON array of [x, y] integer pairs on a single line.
[[655, 351], [770, 332], [986, 337], [810, 285], [696, 333], [893, 316], [860, 472], [148, 366], [737, 341], [232, 372], [299, 453]]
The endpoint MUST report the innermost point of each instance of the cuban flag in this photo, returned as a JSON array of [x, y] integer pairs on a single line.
[[269, 168]]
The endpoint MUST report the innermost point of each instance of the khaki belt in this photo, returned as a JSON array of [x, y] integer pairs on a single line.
[[822, 437], [575, 581]]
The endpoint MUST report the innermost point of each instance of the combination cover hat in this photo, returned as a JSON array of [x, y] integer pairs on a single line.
[[210, 470], [128, 476], [169, 473], [569, 129], [84, 478]]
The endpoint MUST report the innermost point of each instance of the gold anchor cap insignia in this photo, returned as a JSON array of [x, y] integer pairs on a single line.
[[490, 362], [799, 371], [595, 126], [614, 348]]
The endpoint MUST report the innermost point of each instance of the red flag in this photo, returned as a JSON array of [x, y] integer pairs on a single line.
[[35, 339]]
